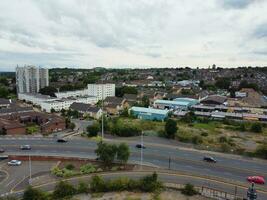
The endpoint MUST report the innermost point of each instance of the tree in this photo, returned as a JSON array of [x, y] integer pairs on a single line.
[[48, 90], [223, 83], [256, 127], [71, 126], [3, 92], [63, 189], [93, 130], [145, 101], [170, 128], [189, 190], [150, 183], [123, 153], [106, 153], [52, 110], [97, 184], [33, 194], [120, 91]]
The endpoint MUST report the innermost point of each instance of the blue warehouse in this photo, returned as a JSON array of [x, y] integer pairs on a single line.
[[149, 113], [176, 104]]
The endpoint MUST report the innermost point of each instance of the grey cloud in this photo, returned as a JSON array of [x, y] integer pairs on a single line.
[[261, 31], [236, 4]]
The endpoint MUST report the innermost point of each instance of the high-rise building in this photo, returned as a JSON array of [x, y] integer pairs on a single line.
[[30, 79], [97, 89]]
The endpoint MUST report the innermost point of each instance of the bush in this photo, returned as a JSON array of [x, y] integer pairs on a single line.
[[87, 169], [57, 172], [70, 167], [63, 189], [93, 130], [197, 140], [189, 190], [83, 188], [204, 134], [150, 183], [170, 128], [256, 128], [223, 139], [261, 151], [124, 129], [97, 184], [33, 194]]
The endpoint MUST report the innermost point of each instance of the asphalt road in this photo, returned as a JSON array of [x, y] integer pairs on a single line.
[[230, 167]]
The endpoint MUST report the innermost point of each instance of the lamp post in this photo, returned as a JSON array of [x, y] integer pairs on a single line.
[[102, 132], [30, 170], [142, 145]]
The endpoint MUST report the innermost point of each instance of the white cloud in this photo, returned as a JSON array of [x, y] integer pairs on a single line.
[[89, 33]]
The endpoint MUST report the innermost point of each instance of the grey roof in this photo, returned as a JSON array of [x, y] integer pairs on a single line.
[[15, 109], [113, 100], [83, 107], [215, 98], [130, 97]]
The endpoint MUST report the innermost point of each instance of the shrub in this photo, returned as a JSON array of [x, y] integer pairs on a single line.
[[150, 183], [170, 128], [57, 172], [33, 194], [87, 169], [63, 189], [204, 134], [261, 151], [83, 188], [189, 190], [256, 127], [70, 167], [97, 184], [223, 139], [225, 147], [197, 140], [93, 130]]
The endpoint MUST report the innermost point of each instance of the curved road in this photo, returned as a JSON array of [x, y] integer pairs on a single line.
[[230, 167]]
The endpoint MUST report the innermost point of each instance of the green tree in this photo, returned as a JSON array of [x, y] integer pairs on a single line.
[[145, 101], [223, 83], [106, 153], [52, 110], [150, 183], [170, 128], [33, 194], [71, 126], [189, 190], [48, 90], [63, 189], [93, 130], [3, 92], [123, 153], [256, 127], [97, 184], [261, 151]]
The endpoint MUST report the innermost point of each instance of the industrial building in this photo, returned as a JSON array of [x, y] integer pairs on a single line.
[[149, 113], [176, 104]]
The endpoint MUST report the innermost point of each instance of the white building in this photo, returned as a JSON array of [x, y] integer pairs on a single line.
[[65, 103], [74, 93], [30, 79], [35, 99], [96, 90]]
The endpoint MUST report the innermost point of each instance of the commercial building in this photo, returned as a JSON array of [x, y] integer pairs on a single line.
[[176, 104], [149, 113], [65, 103], [30, 79], [101, 90]]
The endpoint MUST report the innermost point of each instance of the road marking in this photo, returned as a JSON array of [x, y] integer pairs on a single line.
[[9, 183]]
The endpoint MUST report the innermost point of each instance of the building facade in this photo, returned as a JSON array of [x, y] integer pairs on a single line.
[[101, 90], [30, 79]]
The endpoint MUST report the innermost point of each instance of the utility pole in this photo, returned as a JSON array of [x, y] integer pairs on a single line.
[[30, 169], [102, 135], [169, 162], [142, 145]]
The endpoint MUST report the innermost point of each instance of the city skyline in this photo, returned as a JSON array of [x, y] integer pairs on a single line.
[[89, 34]]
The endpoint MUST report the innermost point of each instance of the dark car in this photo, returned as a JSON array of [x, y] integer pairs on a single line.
[[2, 150], [25, 147], [140, 146], [61, 140], [209, 159]]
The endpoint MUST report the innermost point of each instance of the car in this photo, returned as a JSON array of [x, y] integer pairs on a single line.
[[2, 150], [256, 179], [209, 159], [140, 146], [14, 163], [25, 147], [61, 140]]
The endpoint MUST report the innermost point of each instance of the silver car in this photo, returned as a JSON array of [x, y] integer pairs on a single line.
[[14, 163]]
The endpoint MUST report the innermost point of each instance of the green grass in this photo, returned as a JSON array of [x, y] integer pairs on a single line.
[[31, 129]]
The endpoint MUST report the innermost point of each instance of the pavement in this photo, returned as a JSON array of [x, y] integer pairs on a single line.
[[232, 168]]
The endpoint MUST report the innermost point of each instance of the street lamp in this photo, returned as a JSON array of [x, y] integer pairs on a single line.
[[142, 145], [30, 170], [102, 133]]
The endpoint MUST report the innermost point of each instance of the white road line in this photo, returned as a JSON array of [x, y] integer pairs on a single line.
[[9, 183]]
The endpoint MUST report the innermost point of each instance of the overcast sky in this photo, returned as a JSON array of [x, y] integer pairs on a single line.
[[135, 33]]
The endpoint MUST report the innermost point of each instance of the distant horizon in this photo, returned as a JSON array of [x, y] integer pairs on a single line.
[[132, 68]]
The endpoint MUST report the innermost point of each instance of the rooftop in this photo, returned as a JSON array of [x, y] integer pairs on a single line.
[[149, 110]]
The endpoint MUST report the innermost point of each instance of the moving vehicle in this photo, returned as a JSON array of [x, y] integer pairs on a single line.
[[256, 179], [25, 147], [140, 146], [2, 150], [209, 159], [61, 140], [14, 163]]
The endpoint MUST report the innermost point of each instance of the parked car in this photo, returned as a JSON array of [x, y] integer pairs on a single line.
[[25, 147], [256, 179], [14, 163], [2, 150], [209, 159], [140, 146], [61, 140]]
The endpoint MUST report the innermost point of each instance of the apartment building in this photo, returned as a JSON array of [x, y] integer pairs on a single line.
[[101, 90], [30, 79]]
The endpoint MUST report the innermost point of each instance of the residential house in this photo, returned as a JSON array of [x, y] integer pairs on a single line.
[[87, 109], [114, 105]]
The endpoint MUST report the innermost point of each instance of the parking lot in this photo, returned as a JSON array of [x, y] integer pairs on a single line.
[[10, 176]]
